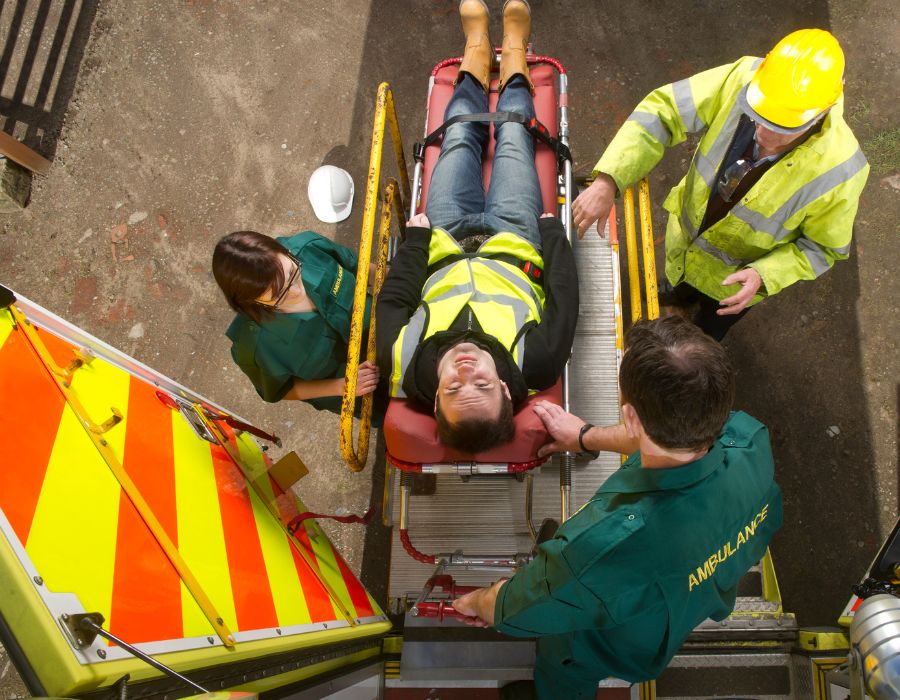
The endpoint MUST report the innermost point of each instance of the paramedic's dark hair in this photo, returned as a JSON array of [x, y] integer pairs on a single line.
[[245, 265], [678, 380], [477, 434]]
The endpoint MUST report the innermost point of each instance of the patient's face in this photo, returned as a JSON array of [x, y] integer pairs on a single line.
[[468, 384]]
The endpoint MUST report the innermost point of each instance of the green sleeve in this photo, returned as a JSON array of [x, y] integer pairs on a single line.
[[546, 597], [826, 230], [270, 387], [664, 118]]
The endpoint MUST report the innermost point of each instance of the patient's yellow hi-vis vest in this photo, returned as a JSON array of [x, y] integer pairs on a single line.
[[500, 296]]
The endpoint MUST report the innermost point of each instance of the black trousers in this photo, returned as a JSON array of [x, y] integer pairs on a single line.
[[701, 309]]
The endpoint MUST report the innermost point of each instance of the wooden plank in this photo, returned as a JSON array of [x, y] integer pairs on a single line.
[[21, 154]]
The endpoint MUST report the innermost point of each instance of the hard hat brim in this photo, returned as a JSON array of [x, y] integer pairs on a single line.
[[744, 104], [328, 215]]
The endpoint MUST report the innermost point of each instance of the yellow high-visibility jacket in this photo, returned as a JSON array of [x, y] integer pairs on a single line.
[[500, 296], [791, 225]]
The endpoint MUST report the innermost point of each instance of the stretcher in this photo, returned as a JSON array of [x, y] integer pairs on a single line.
[[487, 502]]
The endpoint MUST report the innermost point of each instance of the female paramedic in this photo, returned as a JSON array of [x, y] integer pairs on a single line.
[[293, 297]]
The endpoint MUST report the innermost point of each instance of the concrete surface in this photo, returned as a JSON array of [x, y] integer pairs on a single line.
[[177, 122]]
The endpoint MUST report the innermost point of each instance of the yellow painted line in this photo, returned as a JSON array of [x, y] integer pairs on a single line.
[[284, 581], [201, 541], [6, 327], [73, 535]]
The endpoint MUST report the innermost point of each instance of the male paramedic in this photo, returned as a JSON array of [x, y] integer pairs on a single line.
[[773, 187], [663, 543], [481, 301]]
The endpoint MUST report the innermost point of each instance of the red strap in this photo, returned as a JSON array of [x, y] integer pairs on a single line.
[[350, 519]]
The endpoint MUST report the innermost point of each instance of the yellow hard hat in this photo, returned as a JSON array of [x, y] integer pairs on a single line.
[[798, 80]]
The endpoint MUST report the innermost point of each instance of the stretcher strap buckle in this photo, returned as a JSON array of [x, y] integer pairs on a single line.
[[534, 127]]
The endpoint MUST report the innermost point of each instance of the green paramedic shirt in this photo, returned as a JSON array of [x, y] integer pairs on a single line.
[[649, 557], [308, 345]]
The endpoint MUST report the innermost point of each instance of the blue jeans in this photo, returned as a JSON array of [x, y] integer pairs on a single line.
[[456, 198]]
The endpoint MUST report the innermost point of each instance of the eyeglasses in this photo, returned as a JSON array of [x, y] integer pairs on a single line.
[[732, 177], [290, 283]]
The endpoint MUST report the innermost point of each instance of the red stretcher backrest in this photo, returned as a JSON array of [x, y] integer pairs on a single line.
[[410, 432], [545, 105]]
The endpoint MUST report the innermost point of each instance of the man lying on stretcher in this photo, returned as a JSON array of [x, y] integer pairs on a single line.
[[481, 301]]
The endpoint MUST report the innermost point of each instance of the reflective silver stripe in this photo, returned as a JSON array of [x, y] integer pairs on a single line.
[[723, 140], [708, 165], [518, 280], [706, 169], [814, 254], [412, 333], [843, 250], [687, 110], [808, 193], [686, 223], [653, 125], [705, 245]]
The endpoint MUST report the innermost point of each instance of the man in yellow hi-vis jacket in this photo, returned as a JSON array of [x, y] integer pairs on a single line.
[[773, 186], [481, 301]]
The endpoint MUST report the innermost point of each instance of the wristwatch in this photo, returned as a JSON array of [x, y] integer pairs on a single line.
[[581, 433]]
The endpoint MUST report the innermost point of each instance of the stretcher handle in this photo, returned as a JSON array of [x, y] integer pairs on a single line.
[[356, 457], [440, 610], [385, 114]]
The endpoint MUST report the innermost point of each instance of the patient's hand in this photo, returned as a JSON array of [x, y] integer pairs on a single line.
[[419, 220]]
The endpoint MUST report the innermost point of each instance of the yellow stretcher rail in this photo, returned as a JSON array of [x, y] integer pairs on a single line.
[[385, 112]]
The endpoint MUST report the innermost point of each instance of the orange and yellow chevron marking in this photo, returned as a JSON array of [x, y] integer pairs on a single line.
[[294, 582], [200, 536], [250, 586], [107, 450], [146, 603], [73, 536], [34, 417], [131, 519], [248, 457]]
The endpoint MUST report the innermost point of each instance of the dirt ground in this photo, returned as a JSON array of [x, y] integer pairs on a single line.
[[176, 121]]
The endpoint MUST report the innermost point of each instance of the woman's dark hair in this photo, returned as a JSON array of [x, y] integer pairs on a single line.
[[679, 381], [246, 266]]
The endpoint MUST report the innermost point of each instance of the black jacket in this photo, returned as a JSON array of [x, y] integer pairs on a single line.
[[547, 344]]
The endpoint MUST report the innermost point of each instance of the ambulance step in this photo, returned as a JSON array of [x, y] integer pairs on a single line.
[[764, 676]]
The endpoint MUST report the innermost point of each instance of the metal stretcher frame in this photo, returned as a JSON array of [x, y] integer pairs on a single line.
[[564, 199]]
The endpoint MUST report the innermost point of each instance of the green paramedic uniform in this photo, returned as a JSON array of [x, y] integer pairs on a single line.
[[652, 554], [308, 345], [791, 225]]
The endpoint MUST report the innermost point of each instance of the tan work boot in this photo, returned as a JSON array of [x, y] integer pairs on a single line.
[[516, 31], [479, 53]]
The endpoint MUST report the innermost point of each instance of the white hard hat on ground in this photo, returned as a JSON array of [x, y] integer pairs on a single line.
[[331, 193]]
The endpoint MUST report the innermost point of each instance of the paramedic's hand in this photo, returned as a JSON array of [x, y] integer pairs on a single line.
[[750, 282], [419, 220], [593, 204], [366, 378], [563, 428], [479, 605]]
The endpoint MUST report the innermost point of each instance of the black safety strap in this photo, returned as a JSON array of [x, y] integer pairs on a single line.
[[534, 127], [533, 272]]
